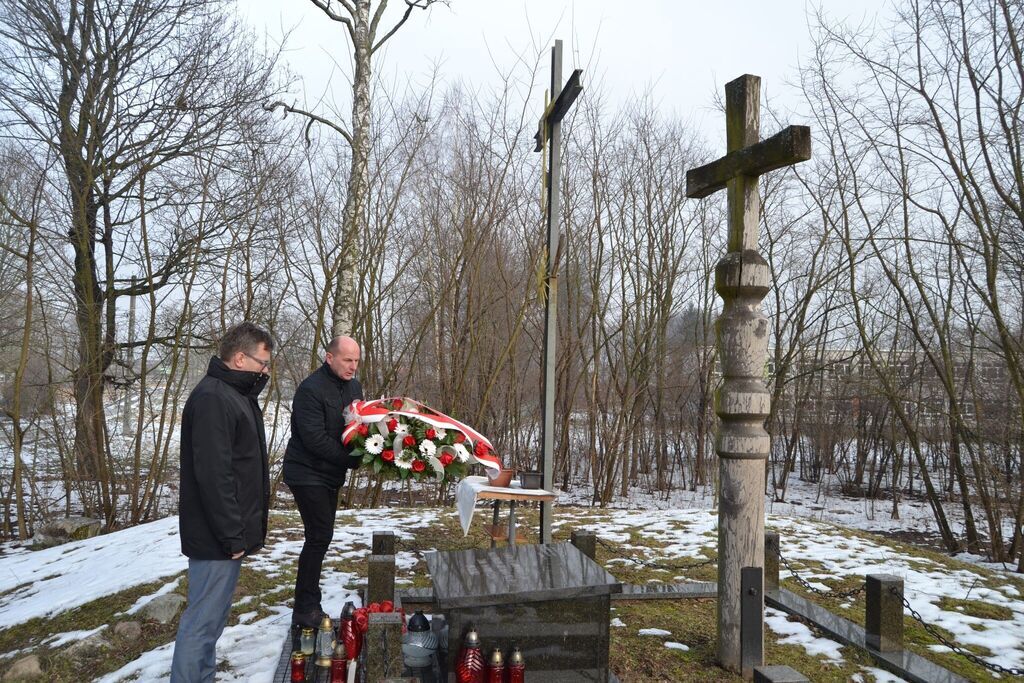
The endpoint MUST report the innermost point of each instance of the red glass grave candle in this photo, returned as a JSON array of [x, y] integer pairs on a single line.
[[496, 667], [298, 669], [339, 665], [348, 632], [516, 667], [469, 667]]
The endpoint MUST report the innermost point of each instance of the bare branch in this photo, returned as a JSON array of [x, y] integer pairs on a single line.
[[313, 118], [410, 5], [325, 7]]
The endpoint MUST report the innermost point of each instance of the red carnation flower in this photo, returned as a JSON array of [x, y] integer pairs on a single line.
[[409, 441], [387, 455], [387, 606], [397, 404], [446, 459], [459, 437], [363, 430], [430, 433], [375, 607], [418, 465], [392, 424], [480, 448]]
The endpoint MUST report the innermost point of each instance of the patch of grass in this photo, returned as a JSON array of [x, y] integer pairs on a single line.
[[976, 608], [15, 589]]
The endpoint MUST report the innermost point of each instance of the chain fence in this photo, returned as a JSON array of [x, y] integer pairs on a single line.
[[842, 595], [931, 630], [967, 654]]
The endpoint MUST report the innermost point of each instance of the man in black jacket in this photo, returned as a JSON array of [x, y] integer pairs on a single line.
[[224, 497], [315, 464]]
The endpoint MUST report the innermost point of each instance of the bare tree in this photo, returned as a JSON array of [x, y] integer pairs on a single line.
[[362, 22], [117, 91]]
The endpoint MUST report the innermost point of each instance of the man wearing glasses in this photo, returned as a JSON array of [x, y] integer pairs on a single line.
[[224, 496], [315, 464]]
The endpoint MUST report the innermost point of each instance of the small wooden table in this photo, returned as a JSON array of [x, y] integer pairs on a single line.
[[478, 488]]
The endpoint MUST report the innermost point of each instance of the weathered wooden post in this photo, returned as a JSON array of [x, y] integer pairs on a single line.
[[742, 280]]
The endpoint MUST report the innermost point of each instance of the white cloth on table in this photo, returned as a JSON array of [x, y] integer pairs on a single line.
[[467, 490]]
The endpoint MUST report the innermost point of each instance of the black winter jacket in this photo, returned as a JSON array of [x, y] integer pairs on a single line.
[[225, 483], [315, 455]]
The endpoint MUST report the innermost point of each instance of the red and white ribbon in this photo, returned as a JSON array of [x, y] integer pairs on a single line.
[[382, 409]]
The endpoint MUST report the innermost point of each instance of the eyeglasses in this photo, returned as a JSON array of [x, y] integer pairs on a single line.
[[264, 364]]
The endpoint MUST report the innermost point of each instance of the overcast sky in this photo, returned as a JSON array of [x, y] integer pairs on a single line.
[[682, 51]]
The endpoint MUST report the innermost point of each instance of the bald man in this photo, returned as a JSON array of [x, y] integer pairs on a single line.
[[315, 464]]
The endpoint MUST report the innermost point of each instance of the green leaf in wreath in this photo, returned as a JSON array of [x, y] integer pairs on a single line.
[[377, 464]]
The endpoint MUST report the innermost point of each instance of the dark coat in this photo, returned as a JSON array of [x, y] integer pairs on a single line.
[[315, 455], [225, 483]]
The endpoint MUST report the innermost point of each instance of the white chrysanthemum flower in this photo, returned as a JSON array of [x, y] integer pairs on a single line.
[[427, 448], [402, 428], [374, 444], [440, 433], [461, 452], [404, 458]]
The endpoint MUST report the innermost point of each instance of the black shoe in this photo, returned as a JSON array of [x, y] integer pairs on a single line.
[[309, 619]]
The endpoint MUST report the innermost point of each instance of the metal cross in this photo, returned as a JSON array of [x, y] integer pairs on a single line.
[[549, 129]]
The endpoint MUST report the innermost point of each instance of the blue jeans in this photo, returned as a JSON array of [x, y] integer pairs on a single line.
[[211, 584]]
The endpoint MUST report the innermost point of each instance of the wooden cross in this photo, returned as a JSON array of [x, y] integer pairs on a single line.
[[549, 129], [746, 159], [742, 402]]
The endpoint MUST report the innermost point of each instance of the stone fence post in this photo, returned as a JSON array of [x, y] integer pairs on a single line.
[[771, 561], [383, 543], [883, 613], [384, 633], [586, 541]]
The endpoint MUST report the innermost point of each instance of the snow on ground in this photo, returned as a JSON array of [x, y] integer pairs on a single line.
[[797, 633], [821, 501], [49, 582], [44, 583], [835, 554], [653, 632]]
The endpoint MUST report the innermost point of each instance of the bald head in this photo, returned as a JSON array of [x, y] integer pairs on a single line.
[[343, 356]]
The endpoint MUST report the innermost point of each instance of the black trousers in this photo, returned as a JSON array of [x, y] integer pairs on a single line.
[[317, 505]]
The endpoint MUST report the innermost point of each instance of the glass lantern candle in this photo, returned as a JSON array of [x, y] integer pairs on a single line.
[[307, 641], [325, 643]]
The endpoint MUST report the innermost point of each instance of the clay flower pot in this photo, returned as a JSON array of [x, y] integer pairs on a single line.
[[502, 479]]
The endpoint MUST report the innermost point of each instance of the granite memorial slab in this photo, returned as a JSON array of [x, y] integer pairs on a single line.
[[551, 601]]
